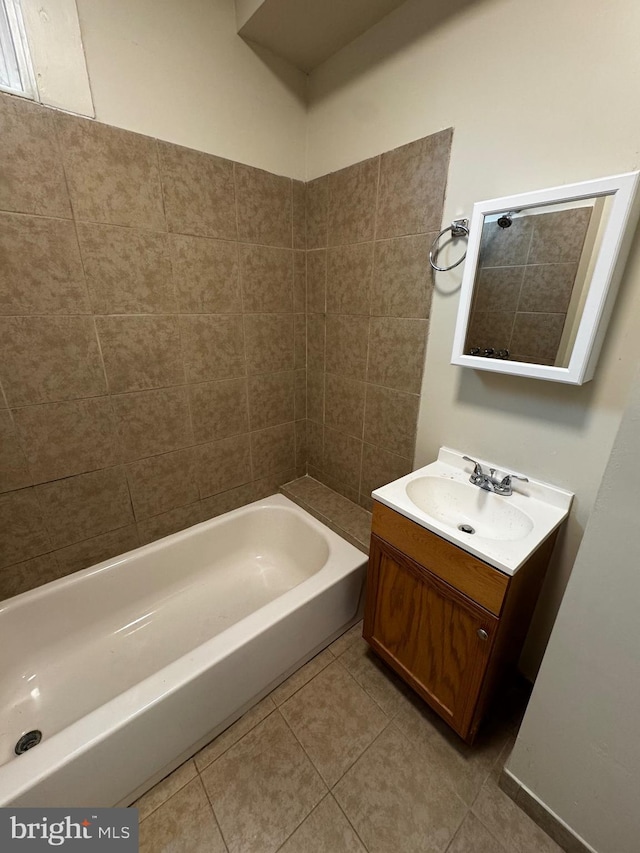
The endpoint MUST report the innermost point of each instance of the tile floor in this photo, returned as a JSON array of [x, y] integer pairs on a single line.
[[343, 758]]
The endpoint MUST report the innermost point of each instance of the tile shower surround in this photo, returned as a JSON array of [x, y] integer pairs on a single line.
[[155, 331]]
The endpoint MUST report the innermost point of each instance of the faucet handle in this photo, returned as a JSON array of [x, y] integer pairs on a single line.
[[478, 472], [504, 488]]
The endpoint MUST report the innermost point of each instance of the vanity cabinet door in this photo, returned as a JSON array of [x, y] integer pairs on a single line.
[[437, 639]]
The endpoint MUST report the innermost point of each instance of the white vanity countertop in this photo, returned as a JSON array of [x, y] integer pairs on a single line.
[[508, 530]]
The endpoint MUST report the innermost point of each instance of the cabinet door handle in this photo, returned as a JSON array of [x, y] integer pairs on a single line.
[[483, 634]]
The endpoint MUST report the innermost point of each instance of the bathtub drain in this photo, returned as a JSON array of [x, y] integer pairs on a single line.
[[27, 741], [466, 528]]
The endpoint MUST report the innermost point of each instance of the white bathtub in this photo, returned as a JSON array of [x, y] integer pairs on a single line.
[[131, 666]]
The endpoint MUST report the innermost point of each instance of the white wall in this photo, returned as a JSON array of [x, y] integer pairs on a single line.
[[180, 71], [578, 749], [539, 94]]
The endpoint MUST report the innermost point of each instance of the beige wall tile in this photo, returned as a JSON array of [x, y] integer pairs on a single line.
[[212, 346], [128, 270], [506, 247], [266, 274], [315, 395], [40, 267], [161, 483], [30, 162], [402, 278], [317, 281], [301, 444], [537, 336], [338, 487], [269, 341], [218, 409], [73, 558], [169, 522], [222, 465], [14, 472], [316, 341], [61, 439], [198, 191], [300, 400], [45, 359], [300, 341], [258, 809], [185, 822], [391, 419], [558, 237], [264, 207], [342, 454], [334, 720], [315, 444], [140, 352], [152, 422], [547, 288], [86, 505], [226, 501], [272, 483], [299, 215], [28, 575], [412, 185], [273, 450], [490, 329], [22, 523], [344, 404], [347, 341], [380, 467], [271, 399], [300, 281], [349, 271], [396, 353], [317, 212], [206, 275], [112, 174], [352, 203], [498, 288]]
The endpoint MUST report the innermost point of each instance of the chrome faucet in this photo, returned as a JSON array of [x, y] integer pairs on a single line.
[[490, 483]]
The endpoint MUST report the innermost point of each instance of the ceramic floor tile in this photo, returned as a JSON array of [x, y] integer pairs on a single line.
[[374, 676], [165, 789], [395, 803], [464, 767], [326, 830], [302, 676], [504, 819], [472, 837], [233, 734], [347, 639], [184, 824], [334, 720], [262, 788]]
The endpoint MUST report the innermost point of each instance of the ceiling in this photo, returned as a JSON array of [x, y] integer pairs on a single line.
[[306, 32]]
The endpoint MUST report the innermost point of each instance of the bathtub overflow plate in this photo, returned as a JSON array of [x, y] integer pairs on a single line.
[[27, 741]]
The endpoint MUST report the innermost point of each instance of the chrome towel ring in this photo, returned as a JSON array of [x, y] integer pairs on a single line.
[[458, 228]]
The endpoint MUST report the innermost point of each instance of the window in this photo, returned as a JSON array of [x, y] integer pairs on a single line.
[[16, 71]]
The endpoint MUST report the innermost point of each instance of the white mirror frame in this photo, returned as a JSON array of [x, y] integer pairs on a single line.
[[607, 271]]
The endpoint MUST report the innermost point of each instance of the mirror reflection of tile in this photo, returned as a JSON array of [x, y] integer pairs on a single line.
[[524, 285]]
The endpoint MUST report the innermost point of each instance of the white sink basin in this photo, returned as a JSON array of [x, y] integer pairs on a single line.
[[502, 531], [464, 506]]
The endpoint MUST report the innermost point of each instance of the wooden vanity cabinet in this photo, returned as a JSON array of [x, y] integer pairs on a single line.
[[449, 624]]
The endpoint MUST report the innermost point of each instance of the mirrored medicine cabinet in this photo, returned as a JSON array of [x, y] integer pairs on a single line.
[[540, 278]]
